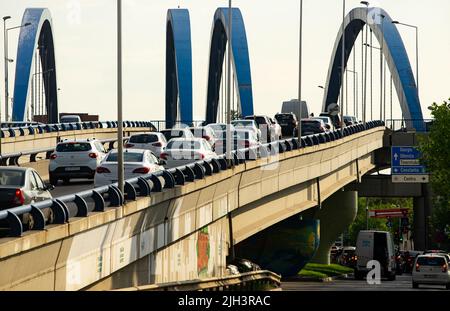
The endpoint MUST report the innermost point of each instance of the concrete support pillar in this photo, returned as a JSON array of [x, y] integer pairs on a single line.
[[422, 213], [337, 214]]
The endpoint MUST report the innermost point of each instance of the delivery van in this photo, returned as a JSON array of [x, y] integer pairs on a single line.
[[375, 245]]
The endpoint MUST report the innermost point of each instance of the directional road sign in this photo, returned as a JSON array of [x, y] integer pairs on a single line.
[[406, 167]]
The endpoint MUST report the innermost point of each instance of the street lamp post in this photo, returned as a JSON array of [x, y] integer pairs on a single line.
[[228, 110], [381, 65], [417, 49], [355, 90], [342, 68], [120, 168], [299, 132], [7, 61], [365, 66]]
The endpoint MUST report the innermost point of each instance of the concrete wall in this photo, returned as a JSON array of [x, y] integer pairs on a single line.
[[155, 238], [49, 140]]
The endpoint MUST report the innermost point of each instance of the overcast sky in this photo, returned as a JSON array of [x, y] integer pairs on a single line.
[[85, 38]]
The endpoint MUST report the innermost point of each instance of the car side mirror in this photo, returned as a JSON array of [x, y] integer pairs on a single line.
[[49, 187]]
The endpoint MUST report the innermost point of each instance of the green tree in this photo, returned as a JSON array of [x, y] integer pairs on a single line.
[[435, 149]]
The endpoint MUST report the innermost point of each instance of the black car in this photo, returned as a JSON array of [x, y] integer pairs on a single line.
[[409, 258], [288, 123]]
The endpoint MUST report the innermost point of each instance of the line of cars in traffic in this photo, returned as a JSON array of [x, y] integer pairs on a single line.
[[145, 154]]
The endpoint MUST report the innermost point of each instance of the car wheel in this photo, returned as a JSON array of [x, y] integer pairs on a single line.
[[447, 286], [415, 285], [359, 275], [392, 276], [66, 181], [53, 180]]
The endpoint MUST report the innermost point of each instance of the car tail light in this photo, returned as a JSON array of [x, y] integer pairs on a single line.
[[129, 145], [142, 170], [201, 155], [19, 198], [207, 137], [158, 144], [103, 170], [163, 156], [93, 155], [417, 267], [444, 268], [53, 157]]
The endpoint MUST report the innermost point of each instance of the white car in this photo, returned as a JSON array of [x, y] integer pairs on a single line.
[[431, 269], [219, 127], [206, 133], [327, 121], [155, 142], [247, 125], [177, 133], [242, 139], [137, 162], [75, 159], [180, 152], [276, 128]]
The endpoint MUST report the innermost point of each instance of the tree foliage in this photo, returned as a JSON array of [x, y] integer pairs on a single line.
[[435, 150]]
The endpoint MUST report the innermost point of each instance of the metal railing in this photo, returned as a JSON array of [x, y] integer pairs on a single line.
[[62, 127], [161, 124], [250, 281], [12, 159], [110, 196], [406, 125]]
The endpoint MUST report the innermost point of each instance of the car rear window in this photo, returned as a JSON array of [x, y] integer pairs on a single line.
[[73, 147], [431, 261], [243, 123], [12, 178], [284, 117], [185, 145], [143, 139], [127, 157]]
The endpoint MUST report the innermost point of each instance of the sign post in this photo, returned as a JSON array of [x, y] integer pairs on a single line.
[[406, 167]]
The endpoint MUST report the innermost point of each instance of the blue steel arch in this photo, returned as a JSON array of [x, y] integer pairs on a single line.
[[178, 67], [394, 52], [38, 34], [240, 61]]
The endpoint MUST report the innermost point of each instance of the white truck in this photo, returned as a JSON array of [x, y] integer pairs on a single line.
[[294, 107]]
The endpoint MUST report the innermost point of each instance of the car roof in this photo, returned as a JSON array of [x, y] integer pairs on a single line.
[[433, 255], [188, 139], [87, 140], [15, 168], [129, 150]]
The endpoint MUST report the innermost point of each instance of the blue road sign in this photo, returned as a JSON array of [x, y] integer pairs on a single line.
[[406, 161]]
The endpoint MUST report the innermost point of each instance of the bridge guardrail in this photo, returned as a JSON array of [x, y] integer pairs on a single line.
[[249, 281], [402, 125], [12, 159], [110, 196], [62, 127]]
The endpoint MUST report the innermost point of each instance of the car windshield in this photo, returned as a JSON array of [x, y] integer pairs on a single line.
[[243, 135], [184, 144], [284, 118], [127, 157], [12, 178], [73, 147], [218, 127], [243, 123], [431, 261], [169, 134], [70, 120], [143, 139]]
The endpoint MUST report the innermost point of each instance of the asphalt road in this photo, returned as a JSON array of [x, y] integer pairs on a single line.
[[402, 283], [74, 186]]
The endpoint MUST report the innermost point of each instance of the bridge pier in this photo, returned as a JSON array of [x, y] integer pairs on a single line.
[[336, 215], [422, 212]]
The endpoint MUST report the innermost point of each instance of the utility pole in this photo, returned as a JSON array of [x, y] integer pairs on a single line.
[[120, 168], [343, 67], [299, 132], [228, 141], [365, 65]]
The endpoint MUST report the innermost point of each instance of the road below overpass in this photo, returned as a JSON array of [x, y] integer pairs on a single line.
[[402, 283], [74, 186]]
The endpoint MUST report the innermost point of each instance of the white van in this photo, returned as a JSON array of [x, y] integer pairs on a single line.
[[375, 245], [70, 119]]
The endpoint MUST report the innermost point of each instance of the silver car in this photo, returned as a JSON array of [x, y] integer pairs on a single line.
[[22, 186]]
